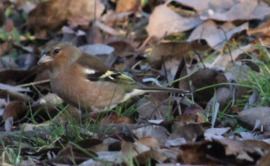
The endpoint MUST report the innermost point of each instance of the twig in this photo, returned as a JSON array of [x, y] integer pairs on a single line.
[[35, 83], [226, 41], [200, 58], [144, 43], [164, 67]]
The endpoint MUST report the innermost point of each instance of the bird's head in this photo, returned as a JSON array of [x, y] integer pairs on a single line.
[[59, 54]]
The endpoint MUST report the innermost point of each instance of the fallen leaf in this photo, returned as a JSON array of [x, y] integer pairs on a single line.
[[202, 153], [203, 78], [111, 17], [16, 110], [190, 132], [163, 22], [222, 60], [249, 117], [175, 142], [122, 48], [127, 5], [215, 133], [192, 113], [220, 152], [158, 132], [153, 155], [215, 35], [130, 150], [50, 15], [83, 12], [8, 124], [50, 98], [115, 119], [97, 49], [262, 30], [150, 141], [73, 155], [149, 110], [253, 10], [240, 149], [214, 5], [223, 96], [173, 50]]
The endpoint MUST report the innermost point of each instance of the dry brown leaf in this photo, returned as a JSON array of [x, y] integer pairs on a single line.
[[193, 113], [112, 17], [130, 150], [150, 142], [155, 155], [15, 109], [171, 142], [214, 34], [50, 15], [220, 152], [223, 96], [149, 110], [249, 117], [203, 78], [215, 133], [122, 48], [190, 132], [115, 119], [127, 5], [158, 132], [50, 98], [240, 149], [71, 154], [163, 21], [97, 49], [203, 153], [262, 30], [228, 10], [108, 29], [203, 6], [84, 11], [173, 50], [223, 60], [241, 10]]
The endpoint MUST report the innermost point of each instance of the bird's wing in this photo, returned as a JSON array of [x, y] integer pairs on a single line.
[[96, 70]]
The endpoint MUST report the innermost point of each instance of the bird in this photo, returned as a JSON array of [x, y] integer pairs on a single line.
[[86, 82]]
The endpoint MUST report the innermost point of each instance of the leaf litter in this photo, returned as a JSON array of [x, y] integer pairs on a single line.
[[216, 49]]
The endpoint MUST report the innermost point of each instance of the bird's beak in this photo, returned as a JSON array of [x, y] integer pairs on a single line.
[[45, 59]]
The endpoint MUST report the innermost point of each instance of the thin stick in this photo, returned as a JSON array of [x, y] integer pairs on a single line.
[[226, 38], [35, 83], [144, 43]]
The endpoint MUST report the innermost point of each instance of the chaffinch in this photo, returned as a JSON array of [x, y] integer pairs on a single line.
[[85, 82]]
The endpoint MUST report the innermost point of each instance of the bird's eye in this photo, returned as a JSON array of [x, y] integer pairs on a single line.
[[56, 51]]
